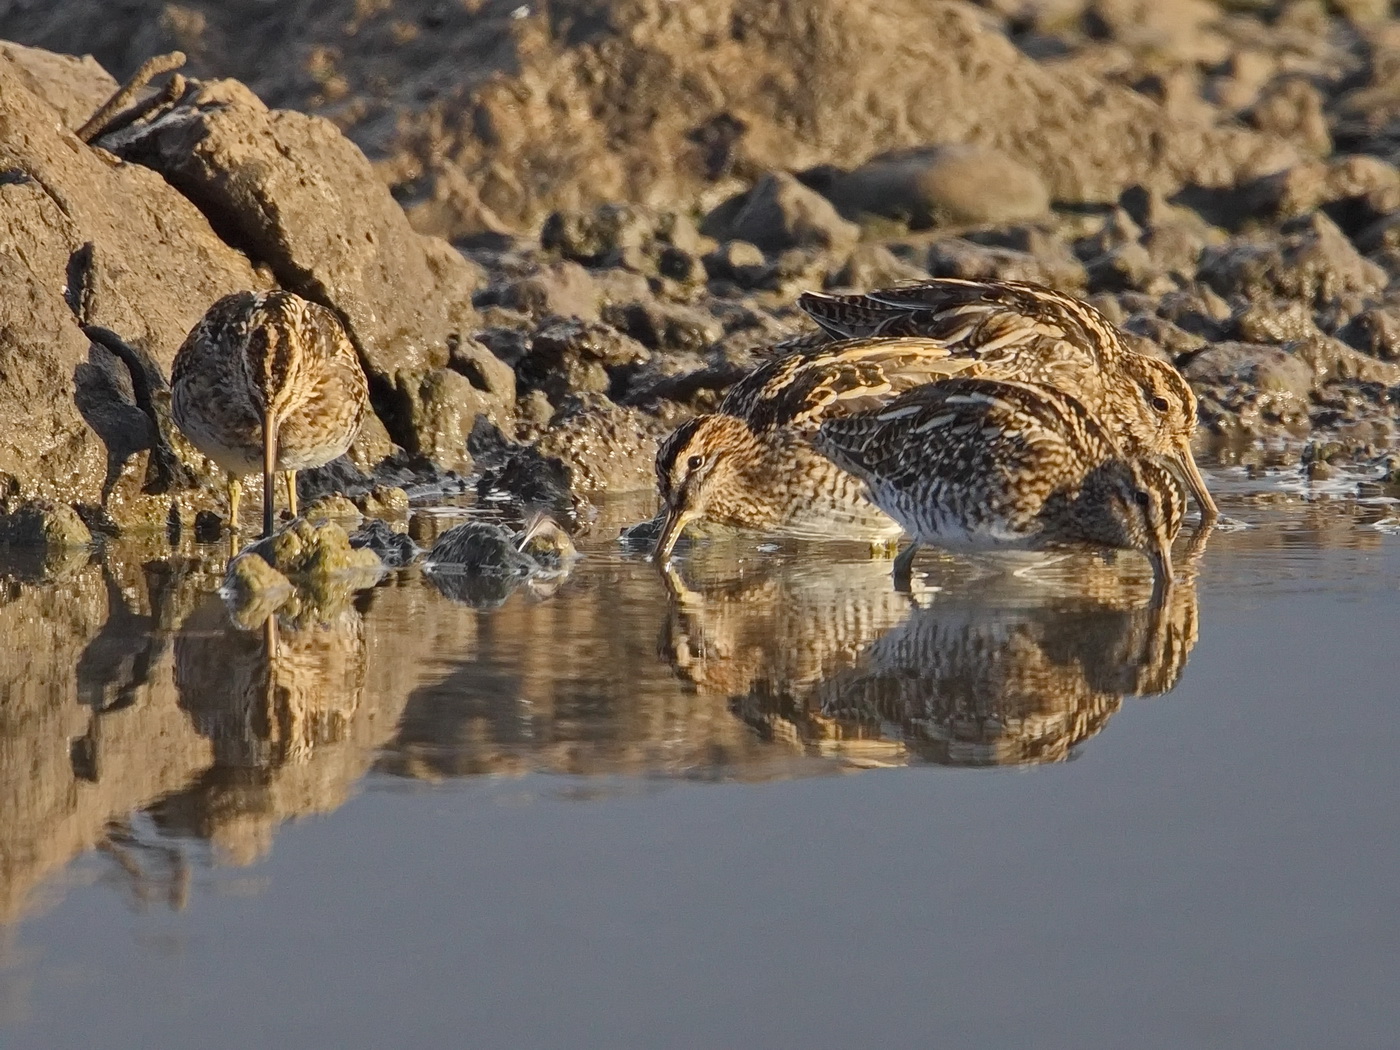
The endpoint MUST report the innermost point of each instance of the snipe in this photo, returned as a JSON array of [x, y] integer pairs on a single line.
[[751, 464], [978, 464], [1022, 331], [268, 381]]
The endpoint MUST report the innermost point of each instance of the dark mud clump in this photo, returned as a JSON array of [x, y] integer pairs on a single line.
[[394, 549]]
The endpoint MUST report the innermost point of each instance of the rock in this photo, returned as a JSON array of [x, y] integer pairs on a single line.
[[874, 266], [643, 534], [590, 447], [1310, 261], [1053, 256], [618, 235], [1119, 228], [1181, 29], [41, 523], [1364, 12], [605, 448], [533, 480], [958, 257], [483, 369], [534, 408], [73, 86], [571, 356], [683, 268], [479, 548], [798, 269], [1333, 361], [334, 234], [1240, 78], [737, 261], [1250, 389], [563, 288], [1376, 332], [508, 343], [437, 410], [1272, 322], [1175, 248], [339, 477], [959, 185], [332, 508], [663, 326], [621, 286], [304, 549], [1179, 92], [372, 445], [208, 526], [1165, 338], [491, 121], [306, 574], [780, 213], [1355, 192], [685, 378], [253, 591], [1128, 266], [383, 500], [394, 549], [1197, 311], [1291, 108]]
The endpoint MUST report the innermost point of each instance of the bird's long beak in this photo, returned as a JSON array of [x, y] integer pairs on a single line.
[[1160, 555], [1191, 474], [676, 520]]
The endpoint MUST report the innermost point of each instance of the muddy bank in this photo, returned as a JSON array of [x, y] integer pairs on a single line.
[[637, 191]]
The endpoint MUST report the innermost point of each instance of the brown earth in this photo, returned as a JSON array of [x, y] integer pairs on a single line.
[[491, 113]]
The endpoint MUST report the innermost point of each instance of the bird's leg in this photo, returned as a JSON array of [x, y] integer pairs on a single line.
[[269, 473], [235, 498], [903, 566], [291, 477]]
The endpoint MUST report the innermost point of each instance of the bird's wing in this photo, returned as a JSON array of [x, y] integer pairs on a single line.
[[961, 426], [1005, 324], [804, 388]]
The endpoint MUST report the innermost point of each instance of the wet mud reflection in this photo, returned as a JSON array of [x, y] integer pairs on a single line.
[[142, 717]]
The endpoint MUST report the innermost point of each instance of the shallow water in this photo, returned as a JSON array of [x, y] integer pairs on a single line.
[[755, 805]]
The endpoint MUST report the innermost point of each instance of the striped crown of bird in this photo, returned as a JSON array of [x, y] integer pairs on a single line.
[[1024, 331], [267, 381], [751, 463], [973, 463]]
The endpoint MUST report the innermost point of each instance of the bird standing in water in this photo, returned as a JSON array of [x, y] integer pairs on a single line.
[[268, 381], [978, 464], [1021, 331], [751, 463]]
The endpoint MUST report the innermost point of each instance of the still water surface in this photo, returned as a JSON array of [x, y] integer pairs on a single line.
[[771, 803]]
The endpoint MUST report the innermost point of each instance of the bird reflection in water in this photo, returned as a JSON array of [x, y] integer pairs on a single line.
[[270, 695], [280, 703], [737, 625], [980, 671]]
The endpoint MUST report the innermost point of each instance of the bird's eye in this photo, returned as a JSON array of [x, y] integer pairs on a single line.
[[694, 462], [1141, 498], [1160, 403]]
